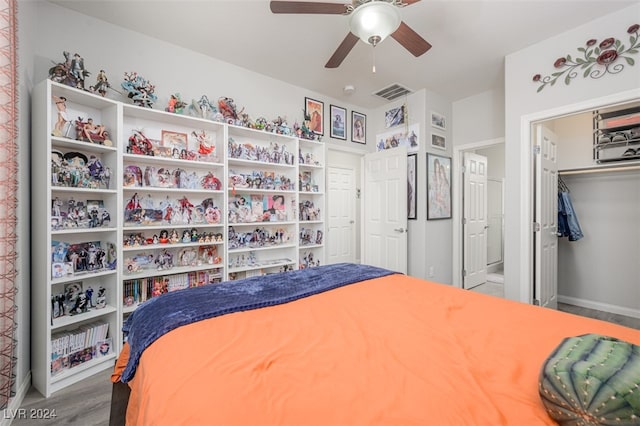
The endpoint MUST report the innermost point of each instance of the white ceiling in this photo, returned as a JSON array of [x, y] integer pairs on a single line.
[[470, 39]]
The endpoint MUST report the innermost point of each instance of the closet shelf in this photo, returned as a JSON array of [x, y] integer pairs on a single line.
[[601, 168]]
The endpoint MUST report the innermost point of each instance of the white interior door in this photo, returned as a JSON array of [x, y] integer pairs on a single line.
[[342, 215], [475, 220], [546, 219], [384, 234]]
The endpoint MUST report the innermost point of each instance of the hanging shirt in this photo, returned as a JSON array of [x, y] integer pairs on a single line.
[[568, 225]]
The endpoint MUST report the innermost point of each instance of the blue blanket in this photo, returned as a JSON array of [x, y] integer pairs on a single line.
[[160, 315]]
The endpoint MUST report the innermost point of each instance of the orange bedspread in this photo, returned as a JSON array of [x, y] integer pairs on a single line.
[[394, 350]]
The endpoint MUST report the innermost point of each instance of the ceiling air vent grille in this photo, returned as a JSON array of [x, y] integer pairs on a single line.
[[393, 91]]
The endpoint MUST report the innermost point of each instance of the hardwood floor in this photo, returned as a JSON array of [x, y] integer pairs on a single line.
[[87, 403]]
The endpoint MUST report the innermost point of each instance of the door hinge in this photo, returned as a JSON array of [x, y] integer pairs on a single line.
[[536, 149], [463, 169], [536, 227], [464, 220], [464, 272], [536, 302]]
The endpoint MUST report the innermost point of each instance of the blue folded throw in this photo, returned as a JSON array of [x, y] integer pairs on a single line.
[[162, 314]]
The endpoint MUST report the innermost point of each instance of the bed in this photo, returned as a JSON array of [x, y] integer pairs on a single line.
[[341, 344]]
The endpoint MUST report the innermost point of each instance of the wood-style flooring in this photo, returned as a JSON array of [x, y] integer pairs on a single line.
[[87, 403]]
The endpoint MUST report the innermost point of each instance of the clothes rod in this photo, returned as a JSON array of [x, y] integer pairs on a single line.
[[599, 170]]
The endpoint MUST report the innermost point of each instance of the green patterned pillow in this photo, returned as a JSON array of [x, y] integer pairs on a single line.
[[592, 380]]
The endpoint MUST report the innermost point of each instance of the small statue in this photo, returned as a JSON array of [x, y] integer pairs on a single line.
[[139, 89], [71, 72], [101, 298], [176, 105]]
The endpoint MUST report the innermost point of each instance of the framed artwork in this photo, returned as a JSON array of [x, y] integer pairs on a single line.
[[412, 173], [174, 139], [438, 141], [315, 111], [438, 120], [358, 127], [394, 117], [438, 187], [338, 122]]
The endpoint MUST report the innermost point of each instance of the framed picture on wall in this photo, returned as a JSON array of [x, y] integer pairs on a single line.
[[438, 141], [438, 120], [438, 187], [412, 173], [315, 111], [338, 122], [358, 127]]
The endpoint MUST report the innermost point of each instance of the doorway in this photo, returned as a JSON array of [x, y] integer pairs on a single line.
[[343, 205], [493, 150]]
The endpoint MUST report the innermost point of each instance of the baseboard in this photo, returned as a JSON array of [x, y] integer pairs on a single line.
[[599, 306], [11, 412]]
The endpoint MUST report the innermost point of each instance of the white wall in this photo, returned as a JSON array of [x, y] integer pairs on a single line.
[[429, 241], [575, 140], [479, 117], [523, 103], [601, 270]]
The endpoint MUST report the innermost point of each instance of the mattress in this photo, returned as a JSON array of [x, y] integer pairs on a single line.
[[390, 350]]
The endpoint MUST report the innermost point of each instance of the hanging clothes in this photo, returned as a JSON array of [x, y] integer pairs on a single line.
[[568, 225]]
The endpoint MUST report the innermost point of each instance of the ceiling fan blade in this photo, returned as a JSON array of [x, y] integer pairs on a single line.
[[308, 7], [411, 40], [342, 51]]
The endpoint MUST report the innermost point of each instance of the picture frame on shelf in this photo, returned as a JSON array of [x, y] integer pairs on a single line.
[[174, 140], [438, 187], [338, 122], [438, 120], [412, 190], [358, 127], [438, 141], [314, 109]]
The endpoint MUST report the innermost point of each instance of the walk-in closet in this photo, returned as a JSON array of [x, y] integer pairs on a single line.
[[601, 171]]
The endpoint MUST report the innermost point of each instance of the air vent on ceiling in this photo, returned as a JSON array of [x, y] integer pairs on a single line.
[[393, 91]]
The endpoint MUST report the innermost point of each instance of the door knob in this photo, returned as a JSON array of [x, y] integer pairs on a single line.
[[400, 230]]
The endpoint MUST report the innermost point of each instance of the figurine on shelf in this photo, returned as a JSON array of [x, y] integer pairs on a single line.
[[61, 106], [90, 132], [71, 72], [102, 84], [101, 298], [205, 145], [139, 89], [176, 105], [203, 109], [228, 109], [139, 144]]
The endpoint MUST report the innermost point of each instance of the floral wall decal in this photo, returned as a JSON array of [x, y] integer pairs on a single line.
[[594, 60]]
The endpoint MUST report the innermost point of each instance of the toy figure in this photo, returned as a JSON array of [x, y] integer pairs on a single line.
[[101, 298], [71, 72], [89, 293], [228, 109], [203, 108], [102, 84], [139, 89], [94, 133], [176, 105], [61, 106]]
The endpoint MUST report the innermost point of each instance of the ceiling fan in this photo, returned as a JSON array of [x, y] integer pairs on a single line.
[[370, 21]]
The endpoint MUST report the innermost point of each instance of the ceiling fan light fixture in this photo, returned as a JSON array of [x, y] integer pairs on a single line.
[[374, 21]]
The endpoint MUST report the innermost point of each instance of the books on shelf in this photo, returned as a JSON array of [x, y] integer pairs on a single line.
[[71, 348], [138, 290]]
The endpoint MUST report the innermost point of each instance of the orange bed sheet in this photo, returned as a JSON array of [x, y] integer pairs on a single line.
[[394, 350]]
